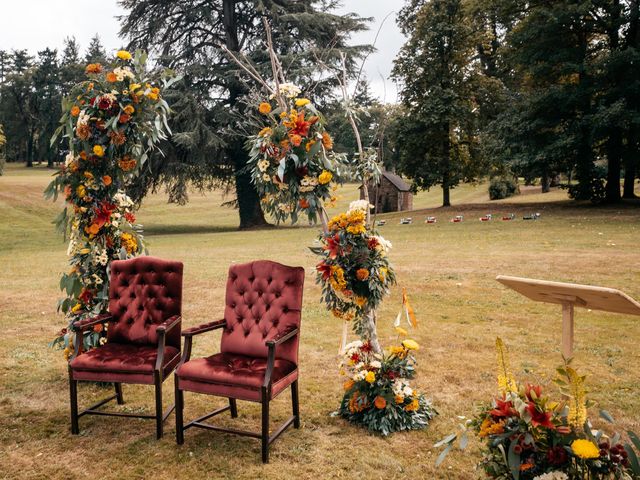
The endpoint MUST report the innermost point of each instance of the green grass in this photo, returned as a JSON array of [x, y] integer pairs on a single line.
[[448, 270]]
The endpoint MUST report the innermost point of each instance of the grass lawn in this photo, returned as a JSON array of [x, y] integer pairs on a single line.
[[448, 270]]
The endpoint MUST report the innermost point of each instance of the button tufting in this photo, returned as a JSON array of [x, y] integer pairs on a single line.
[[130, 321]]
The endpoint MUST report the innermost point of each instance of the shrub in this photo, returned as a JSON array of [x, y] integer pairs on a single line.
[[503, 187]]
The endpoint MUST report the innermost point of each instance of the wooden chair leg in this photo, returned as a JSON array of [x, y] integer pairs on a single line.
[[179, 412], [233, 406], [158, 385], [119, 397], [73, 397], [295, 403], [265, 429]]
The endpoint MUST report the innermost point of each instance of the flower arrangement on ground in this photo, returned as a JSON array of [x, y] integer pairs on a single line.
[[528, 436], [377, 392], [292, 162], [354, 271], [111, 121]]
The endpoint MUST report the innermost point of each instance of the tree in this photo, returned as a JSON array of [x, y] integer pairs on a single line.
[[439, 142], [95, 52], [211, 118], [46, 103]]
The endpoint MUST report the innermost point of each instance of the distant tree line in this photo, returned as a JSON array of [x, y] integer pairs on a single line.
[[528, 88], [31, 90]]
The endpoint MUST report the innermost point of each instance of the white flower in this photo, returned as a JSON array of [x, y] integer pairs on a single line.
[[555, 475], [375, 364], [266, 177], [383, 244], [407, 391], [359, 376], [289, 90], [122, 73], [359, 205], [122, 199], [102, 340], [285, 207], [68, 159], [103, 258], [96, 279], [83, 119], [72, 247]]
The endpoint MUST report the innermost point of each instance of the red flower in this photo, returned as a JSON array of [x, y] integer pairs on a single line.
[[130, 217], [503, 409], [324, 269], [537, 389], [366, 347], [104, 103], [333, 246], [355, 358], [300, 126], [85, 296], [372, 243], [103, 213], [538, 418]]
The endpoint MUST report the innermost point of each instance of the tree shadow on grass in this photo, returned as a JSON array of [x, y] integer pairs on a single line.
[[185, 229]]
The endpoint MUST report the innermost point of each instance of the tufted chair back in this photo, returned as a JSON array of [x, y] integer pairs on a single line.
[[263, 300], [144, 292]]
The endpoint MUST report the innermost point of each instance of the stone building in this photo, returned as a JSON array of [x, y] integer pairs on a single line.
[[393, 194]]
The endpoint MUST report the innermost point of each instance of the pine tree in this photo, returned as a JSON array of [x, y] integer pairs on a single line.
[[95, 52], [437, 74], [211, 120]]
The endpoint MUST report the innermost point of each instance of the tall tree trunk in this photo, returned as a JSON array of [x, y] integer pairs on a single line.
[[545, 181], [631, 164], [446, 166], [30, 149], [614, 163], [251, 215]]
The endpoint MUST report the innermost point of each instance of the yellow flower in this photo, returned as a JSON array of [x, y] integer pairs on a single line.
[[129, 243], [401, 331], [283, 115], [410, 344], [264, 108], [76, 308], [98, 150], [325, 177], [370, 377], [134, 86], [399, 399], [413, 406], [81, 191], [585, 449], [301, 102], [123, 55], [129, 109], [265, 132], [360, 301]]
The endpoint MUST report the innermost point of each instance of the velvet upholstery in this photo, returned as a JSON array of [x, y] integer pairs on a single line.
[[118, 362], [144, 292], [263, 300]]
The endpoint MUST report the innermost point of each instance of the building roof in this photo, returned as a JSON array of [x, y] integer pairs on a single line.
[[397, 181]]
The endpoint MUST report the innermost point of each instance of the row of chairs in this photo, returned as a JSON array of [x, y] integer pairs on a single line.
[[258, 356]]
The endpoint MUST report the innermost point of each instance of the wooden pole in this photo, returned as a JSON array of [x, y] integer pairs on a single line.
[[567, 330]]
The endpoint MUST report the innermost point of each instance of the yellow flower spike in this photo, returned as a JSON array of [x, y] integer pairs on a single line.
[[506, 382], [123, 55], [410, 344]]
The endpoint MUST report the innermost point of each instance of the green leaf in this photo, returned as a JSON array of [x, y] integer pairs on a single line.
[[513, 459], [607, 416], [634, 438], [633, 459], [443, 455]]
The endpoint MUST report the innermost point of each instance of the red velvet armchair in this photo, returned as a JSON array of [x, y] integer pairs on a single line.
[[144, 320], [258, 356]]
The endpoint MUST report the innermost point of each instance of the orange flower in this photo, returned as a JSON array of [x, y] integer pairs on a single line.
[[98, 150], [399, 399], [67, 191], [413, 406], [75, 111], [296, 140], [111, 77], [310, 144], [380, 402], [107, 180], [93, 68], [117, 138], [327, 141], [362, 274], [83, 155], [97, 328], [129, 109], [83, 132], [93, 229], [348, 385], [127, 163], [304, 203], [124, 118], [264, 108]]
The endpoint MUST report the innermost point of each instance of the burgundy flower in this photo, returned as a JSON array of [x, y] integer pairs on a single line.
[[366, 347], [104, 103], [557, 456]]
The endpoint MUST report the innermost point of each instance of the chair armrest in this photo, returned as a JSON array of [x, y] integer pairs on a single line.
[[161, 331], [168, 324], [81, 325], [205, 327], [189, 333], [271, 356]]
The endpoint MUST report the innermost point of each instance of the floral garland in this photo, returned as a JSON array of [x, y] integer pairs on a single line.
[[355, 273], [292, 162], [527, 436], [377, 392], [112, 120]]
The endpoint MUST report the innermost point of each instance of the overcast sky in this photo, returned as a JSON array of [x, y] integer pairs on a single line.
[[36, 24]]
